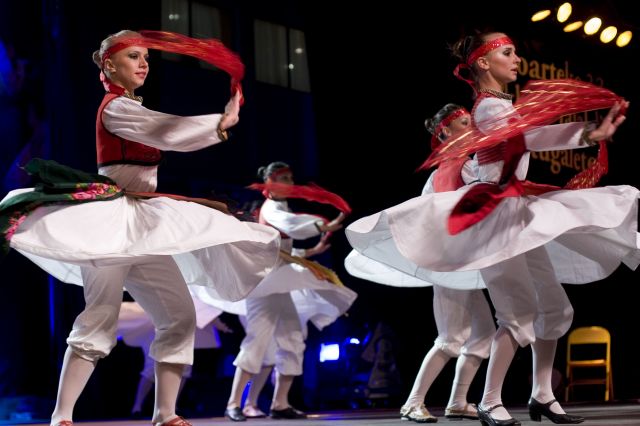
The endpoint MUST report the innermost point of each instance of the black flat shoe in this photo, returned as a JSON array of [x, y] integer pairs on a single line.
[[287, 413], [235, 414], [537, 410], [485, 418]]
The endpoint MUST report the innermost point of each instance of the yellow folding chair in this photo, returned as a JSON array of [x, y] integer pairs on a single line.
[[589, 336]]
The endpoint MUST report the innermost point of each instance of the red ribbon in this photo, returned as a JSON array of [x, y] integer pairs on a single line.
[[542, 102], [211, 51], [310, 192]]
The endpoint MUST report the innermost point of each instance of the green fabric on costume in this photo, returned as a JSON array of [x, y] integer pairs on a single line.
[[56, 184]]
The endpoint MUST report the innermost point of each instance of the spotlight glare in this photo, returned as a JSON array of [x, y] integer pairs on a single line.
[[540, 15], [564, 11], [608, 34], [572, 26], [329, 352], [592, 26], [623, 39]]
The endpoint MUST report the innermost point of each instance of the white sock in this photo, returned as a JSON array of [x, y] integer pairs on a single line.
[[257, 384], [432, 365], [73, 378], [168, 378], [544, 352], [240, 380], [503, 349], [466, 369], [281, 391]]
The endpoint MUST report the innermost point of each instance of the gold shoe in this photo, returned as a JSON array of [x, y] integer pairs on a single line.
[[418, 414], [470, 411]]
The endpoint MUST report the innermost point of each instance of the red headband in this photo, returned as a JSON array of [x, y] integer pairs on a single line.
[[487, 47], [210, 50], [435, 141], [116, 48], [480, 51]]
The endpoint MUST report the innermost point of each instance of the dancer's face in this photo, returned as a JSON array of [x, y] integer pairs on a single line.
[[456, 127], [459, 124], [285, 177], [129, 67], [502, 62]]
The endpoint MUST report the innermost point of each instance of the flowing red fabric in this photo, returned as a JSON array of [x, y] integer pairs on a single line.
[[482, 199], [448, 177], [478, 202], [211, 51], [589, 177], [542, 102], [310, 192]]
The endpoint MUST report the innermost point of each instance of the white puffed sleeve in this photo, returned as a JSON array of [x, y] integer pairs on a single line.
[[128, 119], [297, 226]]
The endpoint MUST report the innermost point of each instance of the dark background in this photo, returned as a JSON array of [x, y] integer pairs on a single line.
[[376, 73]]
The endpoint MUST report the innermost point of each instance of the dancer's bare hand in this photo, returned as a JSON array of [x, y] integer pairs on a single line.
[[610, 124], [231, 114]]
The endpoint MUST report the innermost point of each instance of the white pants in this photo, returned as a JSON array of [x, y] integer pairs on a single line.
[[464, 321], [528, 299], [149, 368], [155, 282], [270, 319]]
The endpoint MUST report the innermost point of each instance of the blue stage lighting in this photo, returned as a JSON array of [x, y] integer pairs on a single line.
[[329, 352]]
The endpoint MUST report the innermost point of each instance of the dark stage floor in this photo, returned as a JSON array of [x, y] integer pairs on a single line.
[[618, 414]]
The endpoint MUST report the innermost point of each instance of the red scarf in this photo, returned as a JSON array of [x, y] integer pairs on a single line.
[[542, 102], [211, 51], [311, 192]]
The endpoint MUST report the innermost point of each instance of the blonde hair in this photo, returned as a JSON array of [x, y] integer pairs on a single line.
[[108, 42]]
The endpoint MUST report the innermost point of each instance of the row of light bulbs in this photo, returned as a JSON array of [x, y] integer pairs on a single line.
[[591, 26]]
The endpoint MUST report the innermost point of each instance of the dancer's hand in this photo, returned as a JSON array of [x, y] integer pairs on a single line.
[[231, 114], [610, 124], [334, 225], [319, 248]]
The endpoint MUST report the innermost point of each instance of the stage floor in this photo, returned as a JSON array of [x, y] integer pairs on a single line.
[[618, 414]]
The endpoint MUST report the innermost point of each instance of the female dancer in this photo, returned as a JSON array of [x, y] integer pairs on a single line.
[[463, 317], [153, 246], [524, 240], [280, 307]]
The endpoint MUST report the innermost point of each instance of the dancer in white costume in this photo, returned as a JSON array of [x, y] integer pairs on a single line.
[[136, 330], [309, 306], [155, 244], [279, 308], [251, 409], [463, 317], [528, 244]]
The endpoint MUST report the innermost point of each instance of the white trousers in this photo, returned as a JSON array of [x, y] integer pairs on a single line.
[[272, 319], [149, 368], [528, 299], [155, 282], [464, 321]]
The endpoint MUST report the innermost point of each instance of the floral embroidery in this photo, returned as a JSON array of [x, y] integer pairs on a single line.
[[94, 191], [55, 184], [14, 222]]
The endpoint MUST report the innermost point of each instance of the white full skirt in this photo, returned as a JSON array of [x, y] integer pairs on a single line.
[[588, 233], [318, 301], [211, 248]]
